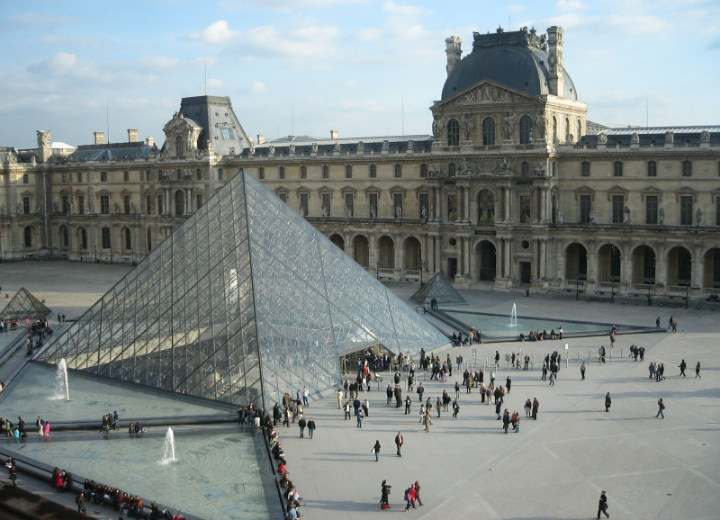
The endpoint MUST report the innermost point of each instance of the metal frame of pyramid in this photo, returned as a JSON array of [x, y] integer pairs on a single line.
[[439, 288], [243, 302], [25, 305]]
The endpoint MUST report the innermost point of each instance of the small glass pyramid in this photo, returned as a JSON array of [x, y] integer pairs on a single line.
[[243, 302], [440, 289], [25, 305]]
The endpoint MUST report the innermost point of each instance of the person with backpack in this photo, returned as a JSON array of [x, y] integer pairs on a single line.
[[410, 497], [661, 407]]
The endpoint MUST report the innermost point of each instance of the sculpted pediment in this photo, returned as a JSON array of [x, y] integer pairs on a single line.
[[487, 93]]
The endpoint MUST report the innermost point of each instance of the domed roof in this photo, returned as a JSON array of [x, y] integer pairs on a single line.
[[518, 60]]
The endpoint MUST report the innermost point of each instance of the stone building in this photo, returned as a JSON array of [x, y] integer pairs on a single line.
[[514, 188]]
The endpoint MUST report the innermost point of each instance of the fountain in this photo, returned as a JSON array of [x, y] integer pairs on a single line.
[[62, 389], [513, 316], [169, 448]]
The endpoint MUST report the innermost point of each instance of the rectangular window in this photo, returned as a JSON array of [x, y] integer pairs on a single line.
[[198, 201], [81, 204], [126, 204], [651, 209], [373, 171], [373, 205], [326, 172], [282, 196], [585, 169], [398, 205], [687, 169], [64, 177], [126, 176], [106, 238], [398, 170], [281, 172], [686, 210], [227, 134], [585, 208], [261, 173], [424, 205], [79, 177], [618, 206], [617, 169], [103, 176], [26, 205], [325, 204], [148, 204], [349, 205], [652, 169], [304, 204], [65, 204], [717, 211], [524, 209], [160, 204], [348, 172], [104, 204], [303, 172]]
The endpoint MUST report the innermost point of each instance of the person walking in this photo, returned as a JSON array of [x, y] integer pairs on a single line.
[[399, 442], [12, 470], [311, 427], [535, 407], [417, 492], [608, 402], [456, 408], [302, 423], [661, 407], [340, 398], [682, 366], [583, 368], [360, 414], [506, 420], [385, 490], [528, 407], [80, 501], [508, 383], [428, 421], [697, 370], [376, 450], [603, 505], [408, 402]]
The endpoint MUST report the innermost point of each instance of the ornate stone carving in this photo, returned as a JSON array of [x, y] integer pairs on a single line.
[[468, 126], [698, 216], [635, 138], [43, 138], [602, 138], [314, 148], [336, 148], [626, 215], [292, 149], [541, 125], [361, 147], [705, 136], [437, 127], [271, 149], [508, 125], [252, 147], [669, 137]]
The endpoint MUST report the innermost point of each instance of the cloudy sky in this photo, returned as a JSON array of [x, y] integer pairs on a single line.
[[303, 67]]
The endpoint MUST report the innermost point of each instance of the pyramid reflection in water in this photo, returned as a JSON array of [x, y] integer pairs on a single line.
[[246, 300]]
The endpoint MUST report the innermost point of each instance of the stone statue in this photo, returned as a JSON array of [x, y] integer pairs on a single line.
[[635, 138], [463, 168], [398, 211], [55, 206], [43, 138], [292, 149], [336, 148], [508, 125], [468, 125], [271, 149], [437, 127], [424, 213], [117, 207], [133, 209], [592, 216], [324, 211], [541, 125], [602, 138], [698, 216], [348, 213], [626, 215], [373, 212], [252, 147], [72, 207], [560, 215], [669, 138], [360, 147], [314, 148], [705, 136], [661, 217]]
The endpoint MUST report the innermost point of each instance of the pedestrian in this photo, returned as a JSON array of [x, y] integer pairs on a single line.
[[428, 421], [408, 402], [661, 407], [12, 470], [697, 370], [657, 322], [385, 490], [603, 505], [340, 398], [544, 372], [528, 407], [302, 423], [608, 402], [80, 501], [23, 433], [389, 393], [583, 368], [417, 492], [682, 366], [410, 497], [347, 411], [515, 421], [376, 450], [311, 427], [420, 390], [306, 396], [360, 414], [399, 442], [456, 408], [438, 406], [552, 378], [506, 420], [508, 382], [535, 406]]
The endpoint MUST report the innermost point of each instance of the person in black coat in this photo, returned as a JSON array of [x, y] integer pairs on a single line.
[[608, 402]]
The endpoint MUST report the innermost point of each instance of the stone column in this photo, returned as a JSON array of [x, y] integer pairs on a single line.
[[506, 259], [466, 204], [626, 268], [506, 205], [661, 266], [468, 257], [698, 269]]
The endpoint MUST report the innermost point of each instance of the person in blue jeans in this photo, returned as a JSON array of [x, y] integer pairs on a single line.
[[661, 407], [376, 450]]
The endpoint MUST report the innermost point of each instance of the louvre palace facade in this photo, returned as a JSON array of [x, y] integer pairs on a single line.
[[513, 188]]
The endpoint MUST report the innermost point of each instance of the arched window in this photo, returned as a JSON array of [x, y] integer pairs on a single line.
[[64, 238], [105, 232], [28, 232], [261, 173], [453, 132], [303, 172], [373, 171], [26, 178], [348, 172], [488, 129], [83, 238], [128, 238], [617, 169], [423, 170], [398, 170], [281, 172], [526, 130]]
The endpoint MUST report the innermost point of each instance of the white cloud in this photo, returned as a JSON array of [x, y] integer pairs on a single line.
[[570, 5], [216, 84], [404, 10], [282, 5], [218, 32], [259, 87], [368, 34]]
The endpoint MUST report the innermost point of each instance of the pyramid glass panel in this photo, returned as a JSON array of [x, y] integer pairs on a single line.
[[24, 305], [438, 288], [242, 303]]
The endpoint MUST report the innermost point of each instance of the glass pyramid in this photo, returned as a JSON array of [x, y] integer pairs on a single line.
[[437, 287], [243, 302], [25, 305]]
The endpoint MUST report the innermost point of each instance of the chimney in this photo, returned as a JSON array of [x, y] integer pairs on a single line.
[[453, 51], [334, 134], [556, 80], [261, 139], [99, 137], [150, 141], [132, 135]]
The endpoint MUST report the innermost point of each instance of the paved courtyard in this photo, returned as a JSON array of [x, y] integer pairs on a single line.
[[554, 468]]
